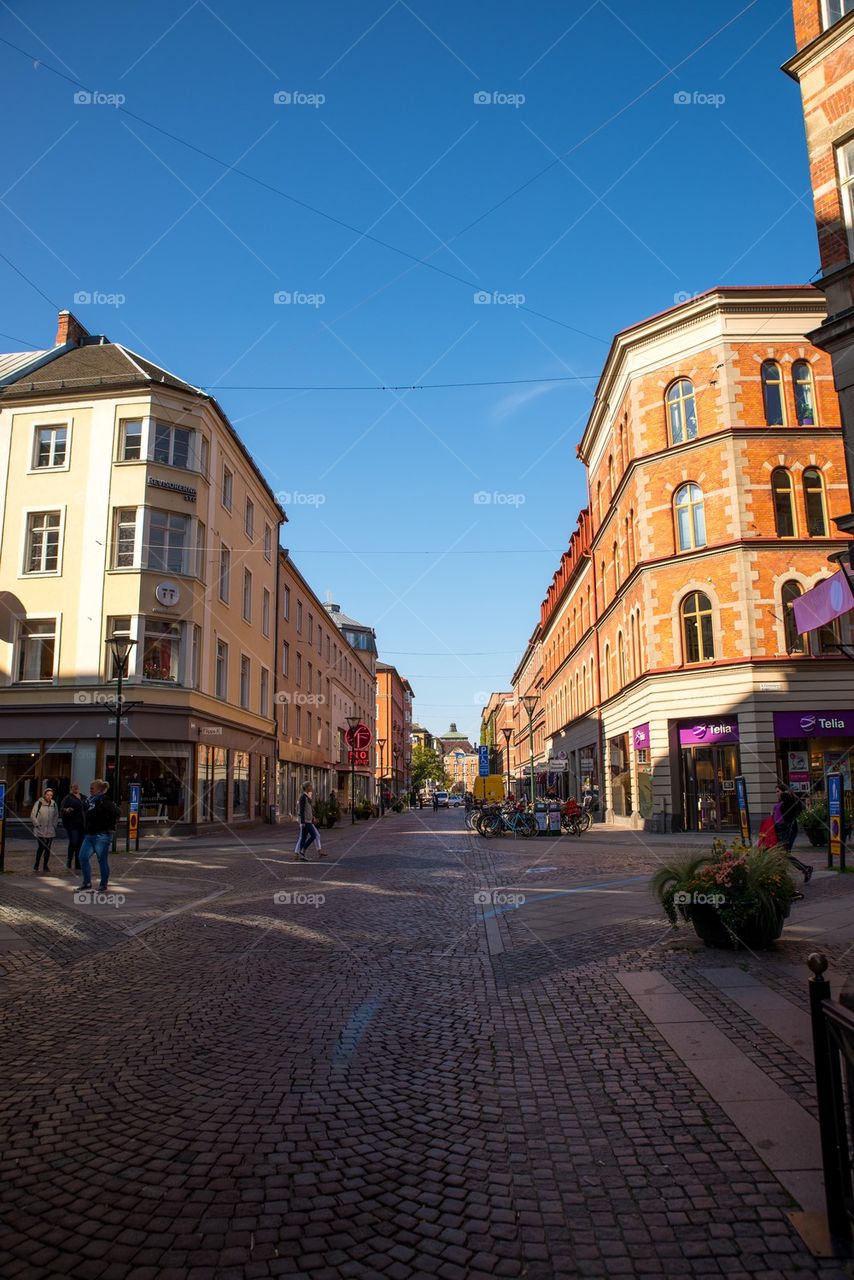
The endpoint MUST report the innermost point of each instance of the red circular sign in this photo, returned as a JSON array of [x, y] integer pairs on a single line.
[[358, 739]]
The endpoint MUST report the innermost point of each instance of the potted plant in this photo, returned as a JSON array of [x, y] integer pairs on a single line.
[[363, 809], [736, 896], [814, 822], [333, 810]]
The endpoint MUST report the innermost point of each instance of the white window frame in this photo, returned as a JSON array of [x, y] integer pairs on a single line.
[[56, 619], [25, 572], [286, 653], [137, 541], [845, 177], [219, 641], [189, 552], [828, 19], [55, 424], [229, 506], [172, 427], [224, 596], [268, 540], [245, 690], [249, 519], [247, 595], [143, 439]]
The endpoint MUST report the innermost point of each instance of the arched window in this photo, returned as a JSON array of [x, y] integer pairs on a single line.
[[599, 500], [772, 394], [681, 411], [635, 647], [615, 555], [784, 502], [610, 478], [604, 584], [622, 670], [690, 518], [607, 671], [789, 594], [804, 393], [698, 641], [814, 503]]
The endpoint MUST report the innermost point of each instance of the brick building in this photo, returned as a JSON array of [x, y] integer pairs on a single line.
[[394, 729]]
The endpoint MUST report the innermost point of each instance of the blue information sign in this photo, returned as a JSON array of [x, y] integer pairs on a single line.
[[834, 812], [483, 762], [2, 801], [133, 797], [743, 809]]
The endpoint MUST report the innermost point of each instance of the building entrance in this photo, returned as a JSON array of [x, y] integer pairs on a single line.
[[708, 788]]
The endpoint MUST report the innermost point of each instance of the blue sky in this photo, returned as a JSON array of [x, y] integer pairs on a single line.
[[581, 184]]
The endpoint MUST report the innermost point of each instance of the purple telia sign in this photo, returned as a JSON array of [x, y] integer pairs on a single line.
[[813, 724], [705, 733], [640, 737]]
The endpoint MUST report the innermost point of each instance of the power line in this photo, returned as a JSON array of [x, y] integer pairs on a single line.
[[30, 282], [25, 343], [302, 204], [418, 386]]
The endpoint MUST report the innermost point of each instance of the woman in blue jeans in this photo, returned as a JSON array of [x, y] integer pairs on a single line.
[[101, 818]]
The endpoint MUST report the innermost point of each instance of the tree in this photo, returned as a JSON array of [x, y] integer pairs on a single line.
[[428, 766]]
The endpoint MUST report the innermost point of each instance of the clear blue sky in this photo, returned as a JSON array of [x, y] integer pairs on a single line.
[[653, 197]]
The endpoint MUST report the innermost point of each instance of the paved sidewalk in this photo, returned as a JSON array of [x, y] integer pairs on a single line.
[[325, 1070]]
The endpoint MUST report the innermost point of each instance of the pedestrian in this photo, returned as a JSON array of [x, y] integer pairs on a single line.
[[308, 831], [786, 812], [100, 819], [420, 800], [435, 802], [73, 817], [45, 817]]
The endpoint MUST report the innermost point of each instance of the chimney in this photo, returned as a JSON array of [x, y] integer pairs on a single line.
[[69, 330]]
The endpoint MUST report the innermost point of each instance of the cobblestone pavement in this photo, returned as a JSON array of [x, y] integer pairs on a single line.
[[342, 1081]]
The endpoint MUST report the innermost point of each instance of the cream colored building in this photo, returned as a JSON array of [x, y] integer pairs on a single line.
[[128, 504]]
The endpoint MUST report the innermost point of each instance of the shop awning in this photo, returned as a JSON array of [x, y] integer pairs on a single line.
[[829, 600]]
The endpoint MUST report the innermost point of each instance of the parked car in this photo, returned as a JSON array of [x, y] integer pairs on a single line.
[[455, 801], [442, 797]]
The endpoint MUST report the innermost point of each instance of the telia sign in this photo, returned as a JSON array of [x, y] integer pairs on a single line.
[[813, 724], [640, 737], [705, 733]]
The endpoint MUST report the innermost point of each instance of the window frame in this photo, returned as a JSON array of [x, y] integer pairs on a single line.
[[681, 400], [224, 572], [188, 549], [698, 614], [691, 506], [264, 692], [249, 519], [822, 491], [55, 618], [265, 612], [226, 487], [156, 425], [57, 424], [122, 441], [788, 613], [245, 690], [268, 540], [777, 489], [781, 391], [221, 667], [246, 602], [827, 20], [799, 382], [28, 515], [286, 603]]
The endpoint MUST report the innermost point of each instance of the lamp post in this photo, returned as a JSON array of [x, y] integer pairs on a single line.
[[352, 723], [530, 701], [508, 734], [120, 647], [381, 744]]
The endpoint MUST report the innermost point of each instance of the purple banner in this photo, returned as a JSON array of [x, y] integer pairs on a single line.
[[705, 733], [640, 737], [813, 724], [829, 600]]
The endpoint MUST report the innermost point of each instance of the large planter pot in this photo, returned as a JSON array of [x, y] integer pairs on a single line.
[[816, 836], [754, 936]]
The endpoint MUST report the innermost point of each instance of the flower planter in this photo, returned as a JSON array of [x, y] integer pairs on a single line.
[[754, 936]]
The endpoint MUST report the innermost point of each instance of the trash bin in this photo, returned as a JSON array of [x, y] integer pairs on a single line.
[[273, 813], [554, 816], [541, 815]]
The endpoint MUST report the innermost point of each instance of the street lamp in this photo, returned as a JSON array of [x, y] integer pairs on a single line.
[[508, 734], [381, 744], [353, 723], [120, 647], [530, 701]]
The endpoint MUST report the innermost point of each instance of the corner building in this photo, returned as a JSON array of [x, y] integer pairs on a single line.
[[715, 469]]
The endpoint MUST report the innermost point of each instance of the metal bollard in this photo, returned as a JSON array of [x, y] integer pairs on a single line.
[[831, 1156]]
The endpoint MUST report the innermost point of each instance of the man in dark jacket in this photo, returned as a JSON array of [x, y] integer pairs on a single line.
[[787, 810], [73, 815], [100, 818]]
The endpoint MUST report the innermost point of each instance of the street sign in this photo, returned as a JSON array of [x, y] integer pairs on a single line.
[[358, 757], [558, 766], [133, 814], [835, 809], [360, 738], [483, 762], [743, 809]]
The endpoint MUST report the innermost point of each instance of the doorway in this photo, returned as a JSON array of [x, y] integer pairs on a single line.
[[708, 788]]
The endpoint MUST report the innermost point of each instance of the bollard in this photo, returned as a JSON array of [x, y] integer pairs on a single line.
[[831, 1156]]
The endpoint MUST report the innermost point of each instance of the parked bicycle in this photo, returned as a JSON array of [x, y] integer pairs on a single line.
[[574, 819], [498, 820]]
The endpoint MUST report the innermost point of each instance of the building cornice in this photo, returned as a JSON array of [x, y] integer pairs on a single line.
[[827, 42]]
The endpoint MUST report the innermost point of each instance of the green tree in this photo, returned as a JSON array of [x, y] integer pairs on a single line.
[[428, 766]]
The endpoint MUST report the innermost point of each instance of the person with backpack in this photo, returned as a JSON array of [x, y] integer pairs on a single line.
[[101, 818], [73, 817], [45, 817], [786, 812]]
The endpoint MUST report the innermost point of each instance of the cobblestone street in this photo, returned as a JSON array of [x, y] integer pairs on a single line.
[[355, 1068]]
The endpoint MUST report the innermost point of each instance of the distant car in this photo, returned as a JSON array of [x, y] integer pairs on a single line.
[[455, 802], [442, 798]]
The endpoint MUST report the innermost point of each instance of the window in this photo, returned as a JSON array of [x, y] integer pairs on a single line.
[[845, 167], [221, 669], [697, 633], [171, 445], [268, 542], [247, 595], [265, 692], [622, 670], [284, 717], [615, 554], [607, 671], [50, 447], [789, 594], [118, 627], [227, 495], [195, 656], [240, 784], [286, 610], [224, 573], [130, 440], [249, 518], [311, 628], [772, 394], [286, 652], [834, 10], [827, 639], [298, 718], [265, 613], [245, 673], [161, 651], [42, 553], [783, 494], [124, 538], [299, 616], [204, 455], [814, 503], [298, 672], [37, 649], [804, 397], [201, 550], [681, 411], [690, 518], [167, 542]]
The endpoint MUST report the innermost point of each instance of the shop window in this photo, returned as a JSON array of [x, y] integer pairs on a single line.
[[37, 649], [681, 411], [783, 493], [772, 394], [815, 503], [789, 594], [804, 393], [690, 517], [161, 652], [621, 776], [240, 784], [51, 445], [697, 631]]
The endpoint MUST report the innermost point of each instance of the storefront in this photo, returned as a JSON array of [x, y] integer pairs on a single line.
[[620, 775], [710, 761], [643, 769], [810, 744]]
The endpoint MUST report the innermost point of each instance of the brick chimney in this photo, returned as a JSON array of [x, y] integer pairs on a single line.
[[69, 329]]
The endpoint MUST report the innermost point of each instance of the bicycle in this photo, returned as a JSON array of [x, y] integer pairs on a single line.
[[496, 821]]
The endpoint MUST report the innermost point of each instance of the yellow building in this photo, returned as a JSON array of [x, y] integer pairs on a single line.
[[129, 505]]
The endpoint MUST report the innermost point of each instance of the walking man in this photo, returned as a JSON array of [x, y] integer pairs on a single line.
[[787, 810], [73, 815], [308, 831], [100, 818]]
